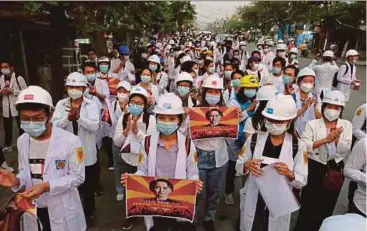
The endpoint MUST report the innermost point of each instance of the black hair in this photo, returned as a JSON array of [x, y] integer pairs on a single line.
[[207, 62], [92, 49], [153, 183], [34, 107], [279, 59], [323, 109], [237, 72], [188, 65], [241, 96], [180, 119], [207, 114], [296, 70], [327, 59], [258, 119], [255, 51], [8, 61], [89, 64], [146, 67], [144, 99], [158, 67], [227, 64], [205, 104], [178, 59]]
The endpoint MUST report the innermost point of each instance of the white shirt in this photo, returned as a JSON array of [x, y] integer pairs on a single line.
[[8, 101], [358, 121], [218, 145], [125, 73], [324, 74], [276, 81]]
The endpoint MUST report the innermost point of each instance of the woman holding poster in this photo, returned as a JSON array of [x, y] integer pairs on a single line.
[[277, 147], [167, 153]]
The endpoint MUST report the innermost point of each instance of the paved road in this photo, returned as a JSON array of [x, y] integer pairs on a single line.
[[110, 214]]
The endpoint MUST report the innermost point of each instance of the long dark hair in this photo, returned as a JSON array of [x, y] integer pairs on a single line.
[[207, 62], [178, 60], [241, 98], [258, 120], [203, 102]]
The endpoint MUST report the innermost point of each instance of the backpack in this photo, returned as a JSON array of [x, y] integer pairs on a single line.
[[147, 145], [335, 79]]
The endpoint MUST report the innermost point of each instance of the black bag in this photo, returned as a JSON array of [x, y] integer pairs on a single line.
[[335, 79]]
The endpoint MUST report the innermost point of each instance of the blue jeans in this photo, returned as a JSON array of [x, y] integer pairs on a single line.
[[211, 176]]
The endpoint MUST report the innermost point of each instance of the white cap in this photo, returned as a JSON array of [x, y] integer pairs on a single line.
[[281, 46], [171, 42], [76, 79], [169, 104], [148, 44], [351, 52], [266, 92], [213, 81], [294, 50], [124, 84], [280, 107], [306, 71], [138, 90], [344, 222], [184, 76], [103, 59], [34, 94], [242, 43], [185, 59], [154, 59], [334, 97], [328, 53]]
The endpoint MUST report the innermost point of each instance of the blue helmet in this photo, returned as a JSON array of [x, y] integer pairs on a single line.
[[123, 49]]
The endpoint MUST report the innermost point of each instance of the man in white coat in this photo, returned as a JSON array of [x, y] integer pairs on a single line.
[[80, 116], [347, 74], [51, 165]]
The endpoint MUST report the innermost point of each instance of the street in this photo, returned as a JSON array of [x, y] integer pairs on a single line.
[[110, 213]]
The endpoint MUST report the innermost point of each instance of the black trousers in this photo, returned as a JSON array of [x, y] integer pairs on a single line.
[[86, 190], [8, 128], [42, 214], [353, 209], [231, 173], [317, 202], [2, 157], [351, 189], [169, 224], [107, 146]]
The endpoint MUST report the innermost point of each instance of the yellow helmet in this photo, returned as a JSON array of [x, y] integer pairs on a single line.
[[208, 52], [249, 81]]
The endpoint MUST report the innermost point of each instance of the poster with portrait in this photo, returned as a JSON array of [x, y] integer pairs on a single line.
[[209, 122], [160, 197]]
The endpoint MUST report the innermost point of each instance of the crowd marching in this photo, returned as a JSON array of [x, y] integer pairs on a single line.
[[288, 118]]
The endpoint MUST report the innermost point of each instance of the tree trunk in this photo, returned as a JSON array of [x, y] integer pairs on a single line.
[[345, 49]]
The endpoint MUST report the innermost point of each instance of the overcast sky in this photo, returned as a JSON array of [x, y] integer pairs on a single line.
[[209, 11]]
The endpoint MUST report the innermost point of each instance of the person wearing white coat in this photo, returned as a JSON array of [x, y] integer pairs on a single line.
[[51, 165], [278, 147], [80, 116], [167, 153], [146, 83], [10, 86], [328, 140]]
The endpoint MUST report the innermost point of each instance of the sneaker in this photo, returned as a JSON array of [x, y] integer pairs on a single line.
[[128, 224], [228, 199], [120, 197], [7, 167], [209, 225], [110, 168], [7, 149]]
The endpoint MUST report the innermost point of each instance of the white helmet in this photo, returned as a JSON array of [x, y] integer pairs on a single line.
[[184, 76], [212, 43], [351, 52], [154, 59], [328, 53], [34, 94], [185, 59], [294, 50], [266, 93], [124, 84], [306, 71], [171, 42], [281, 46], [242, 43], [138, 90], [76, 79], [280, 107], [280, 41], [213, 81], [169, 104], [334, 97]]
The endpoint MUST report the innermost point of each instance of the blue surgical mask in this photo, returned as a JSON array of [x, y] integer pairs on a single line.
[[236, 82], [145, 78], [153, 67], [183, 91], [166, 128], [249, 93], [34, 129], [135, 110], [91, 77], [5, 71], [104, 68], [228, 74], [287, 79], [277, 70], [212, 99]]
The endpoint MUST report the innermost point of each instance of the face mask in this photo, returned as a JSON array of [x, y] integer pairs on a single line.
[[126, 57], [236, 82], [104, 68], [293, 56], [228, 74], [135, 110], [75, 94], [153, 67], [34, 129], [275, 129], [287, 79], [249, 93], [255, 66], [259, 47], [166, 128], [331, 114], [5, 71], [211, 69], [306, 87], [91, 77], [354, 62], [281, 54], [145, 78], [183, 91], [122, 97], [277, 70], [266, 50], [212, 99], [236, 56]]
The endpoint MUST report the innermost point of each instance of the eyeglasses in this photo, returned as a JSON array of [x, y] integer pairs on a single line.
[[137, 103]]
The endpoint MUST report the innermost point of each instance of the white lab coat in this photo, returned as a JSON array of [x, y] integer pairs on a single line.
[[358, 120], [264, 73], [163, 82], [267, 60], [249, 193], [9, 100], [308, 115], [63, 201], [186, 166], [316, 130], [126, 73], [345, 81], [88, 124], [324, 75], [227, 97]]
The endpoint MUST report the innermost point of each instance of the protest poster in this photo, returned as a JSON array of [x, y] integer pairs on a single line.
[[160, 197], [209, 122]]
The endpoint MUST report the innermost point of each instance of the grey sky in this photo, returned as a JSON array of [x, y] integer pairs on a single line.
[[209, 11]]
